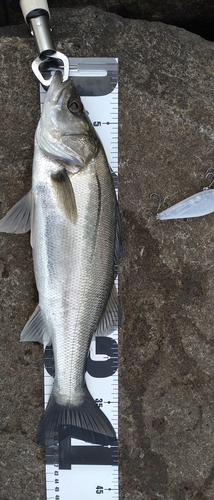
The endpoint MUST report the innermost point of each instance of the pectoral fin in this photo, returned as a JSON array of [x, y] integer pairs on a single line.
[[111, 317], [17, 220], [65, 194], [34, 330]]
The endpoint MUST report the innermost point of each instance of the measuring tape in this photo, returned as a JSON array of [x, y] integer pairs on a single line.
[[77, 470]]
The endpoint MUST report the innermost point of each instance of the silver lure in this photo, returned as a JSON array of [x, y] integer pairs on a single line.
[[197, 205], [72, 213]]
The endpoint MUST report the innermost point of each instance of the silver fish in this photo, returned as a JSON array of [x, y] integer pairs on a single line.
[[73, 216]]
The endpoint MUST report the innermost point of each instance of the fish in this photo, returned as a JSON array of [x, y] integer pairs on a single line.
[[73, 216]]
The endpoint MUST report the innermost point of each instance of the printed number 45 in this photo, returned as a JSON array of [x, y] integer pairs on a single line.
[[99, 490]]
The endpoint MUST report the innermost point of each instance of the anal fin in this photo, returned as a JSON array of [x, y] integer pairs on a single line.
[[34, 330]]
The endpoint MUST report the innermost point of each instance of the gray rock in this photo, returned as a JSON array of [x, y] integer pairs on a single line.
[[170, 11], [166, 274], [194, 16]]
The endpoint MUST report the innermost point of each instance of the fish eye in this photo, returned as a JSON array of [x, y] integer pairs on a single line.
[[75, 106]]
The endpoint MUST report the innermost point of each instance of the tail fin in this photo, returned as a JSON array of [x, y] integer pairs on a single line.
[[87, 422]]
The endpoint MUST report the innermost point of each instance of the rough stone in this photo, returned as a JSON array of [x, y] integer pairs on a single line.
[[170, 11], [166, 274], [196, 16]]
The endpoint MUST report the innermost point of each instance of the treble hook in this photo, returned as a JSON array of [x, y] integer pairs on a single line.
[[160, 202], [210, 171]]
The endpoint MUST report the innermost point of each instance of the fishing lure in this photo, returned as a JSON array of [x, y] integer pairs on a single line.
[[194, 206], [197, 205]]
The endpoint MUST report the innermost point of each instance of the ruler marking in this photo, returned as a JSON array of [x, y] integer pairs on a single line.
[[72, 479]]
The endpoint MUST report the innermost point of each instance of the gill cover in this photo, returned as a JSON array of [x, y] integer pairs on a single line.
[[64, 131]]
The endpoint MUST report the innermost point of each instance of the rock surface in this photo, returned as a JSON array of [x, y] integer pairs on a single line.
[[166, 274], [170, 11], [197, 17]]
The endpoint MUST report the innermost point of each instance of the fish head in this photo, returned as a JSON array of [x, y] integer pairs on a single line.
[[64, 130]]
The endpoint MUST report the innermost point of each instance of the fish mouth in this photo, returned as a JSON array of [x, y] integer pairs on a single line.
[[58, 88]]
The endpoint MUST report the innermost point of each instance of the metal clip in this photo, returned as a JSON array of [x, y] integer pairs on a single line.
[[38, 61]]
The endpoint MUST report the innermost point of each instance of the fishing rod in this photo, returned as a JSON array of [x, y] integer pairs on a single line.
[[36, 14]]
